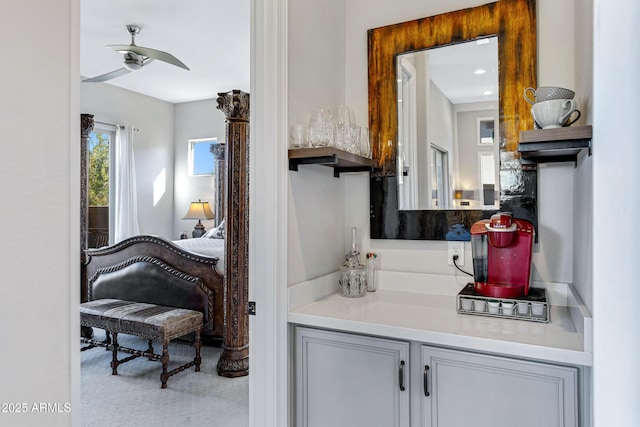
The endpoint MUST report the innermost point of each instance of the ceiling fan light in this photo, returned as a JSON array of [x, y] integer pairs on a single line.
[[132, 64]]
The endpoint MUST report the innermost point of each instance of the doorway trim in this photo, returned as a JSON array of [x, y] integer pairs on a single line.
[[269, 376]]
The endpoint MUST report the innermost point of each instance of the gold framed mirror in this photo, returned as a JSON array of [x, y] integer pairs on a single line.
[[514, 23]]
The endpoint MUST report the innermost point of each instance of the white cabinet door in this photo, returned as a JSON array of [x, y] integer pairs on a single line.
[[350, 380], [469, 389]]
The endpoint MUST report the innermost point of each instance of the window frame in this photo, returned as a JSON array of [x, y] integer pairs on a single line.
[[191, 158], [111, 130]]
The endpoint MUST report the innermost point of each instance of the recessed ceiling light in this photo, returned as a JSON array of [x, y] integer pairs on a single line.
[[487, 92], [482, 41], [480, 71]]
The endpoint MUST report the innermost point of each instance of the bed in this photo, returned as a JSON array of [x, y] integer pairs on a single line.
[[217, 283], [211, 247], [185, 274]]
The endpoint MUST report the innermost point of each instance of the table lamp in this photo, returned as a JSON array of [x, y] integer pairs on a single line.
[[199, 210]]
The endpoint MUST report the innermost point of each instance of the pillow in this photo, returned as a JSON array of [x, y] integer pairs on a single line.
[[215, 233]]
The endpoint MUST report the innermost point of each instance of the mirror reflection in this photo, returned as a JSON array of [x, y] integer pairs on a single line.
[[448, 146]]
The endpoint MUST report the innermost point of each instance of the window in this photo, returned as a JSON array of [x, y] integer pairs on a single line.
[[100, 144], [486, 132], [201, 160]]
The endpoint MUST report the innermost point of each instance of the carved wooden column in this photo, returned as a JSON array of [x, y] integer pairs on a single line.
[[234, 361], [86, 127], [219, 172]]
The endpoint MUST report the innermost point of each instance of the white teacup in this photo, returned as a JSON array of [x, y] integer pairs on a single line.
[[554, 113], [545, 93]]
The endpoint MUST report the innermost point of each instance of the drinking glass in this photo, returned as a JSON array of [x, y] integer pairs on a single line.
[[297, 137], [340, 137], [330, 125], [352, 137], [371, 272], [344, 116], [316, 129], [365, 146]]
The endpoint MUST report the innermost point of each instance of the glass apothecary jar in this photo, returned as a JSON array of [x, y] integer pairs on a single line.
[[353, 273], [353, 281]]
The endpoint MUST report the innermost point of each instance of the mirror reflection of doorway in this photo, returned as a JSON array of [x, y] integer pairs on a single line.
[[439, 178], [407, 136], [487, 178]]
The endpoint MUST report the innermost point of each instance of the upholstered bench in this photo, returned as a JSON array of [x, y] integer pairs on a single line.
[[151, 321]]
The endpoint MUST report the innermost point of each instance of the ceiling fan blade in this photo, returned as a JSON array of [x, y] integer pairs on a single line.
[[150, 53], [107, 76]]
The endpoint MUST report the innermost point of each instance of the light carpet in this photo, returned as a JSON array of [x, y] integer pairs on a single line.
[[134, 397]]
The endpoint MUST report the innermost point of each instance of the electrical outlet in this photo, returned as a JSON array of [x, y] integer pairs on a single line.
[[456, 248]]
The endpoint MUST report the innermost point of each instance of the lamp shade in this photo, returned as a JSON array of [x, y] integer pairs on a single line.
[[199, 210]]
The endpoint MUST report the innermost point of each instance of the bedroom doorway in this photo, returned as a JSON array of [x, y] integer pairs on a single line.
[[158, 158]]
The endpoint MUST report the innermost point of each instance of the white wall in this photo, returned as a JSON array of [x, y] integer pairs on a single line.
[[153, 147], [553, 255], [39, 189], [616, 202], [554, 258], [193, 120], [583, 176], [316, 227]]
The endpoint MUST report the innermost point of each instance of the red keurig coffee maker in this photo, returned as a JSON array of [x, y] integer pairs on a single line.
[[502, 248]]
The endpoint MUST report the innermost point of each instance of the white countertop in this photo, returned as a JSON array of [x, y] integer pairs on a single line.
[[433, 319]]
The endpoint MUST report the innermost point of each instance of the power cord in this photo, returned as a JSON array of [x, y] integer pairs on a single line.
[[455, 258]]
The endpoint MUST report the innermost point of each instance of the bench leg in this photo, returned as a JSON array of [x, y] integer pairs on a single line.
[[165, 364], [197, 360], [114, 354], [150, 351], [107, 340], [86, 332]]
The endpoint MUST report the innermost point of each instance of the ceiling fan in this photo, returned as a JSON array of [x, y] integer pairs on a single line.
[[136, 57]]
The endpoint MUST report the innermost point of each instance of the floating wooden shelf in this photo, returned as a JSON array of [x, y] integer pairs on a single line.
[[340, 161], [555, 145]]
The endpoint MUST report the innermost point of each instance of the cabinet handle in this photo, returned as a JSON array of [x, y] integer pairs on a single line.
[[402, 375], [426, 380]]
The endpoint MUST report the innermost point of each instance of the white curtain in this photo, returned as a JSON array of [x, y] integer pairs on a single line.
[[124, 198]]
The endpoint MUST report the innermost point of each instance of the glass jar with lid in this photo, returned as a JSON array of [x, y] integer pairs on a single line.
[[353, 273]]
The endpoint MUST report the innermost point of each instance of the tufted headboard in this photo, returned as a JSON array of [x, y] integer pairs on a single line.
[[148, 279]]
